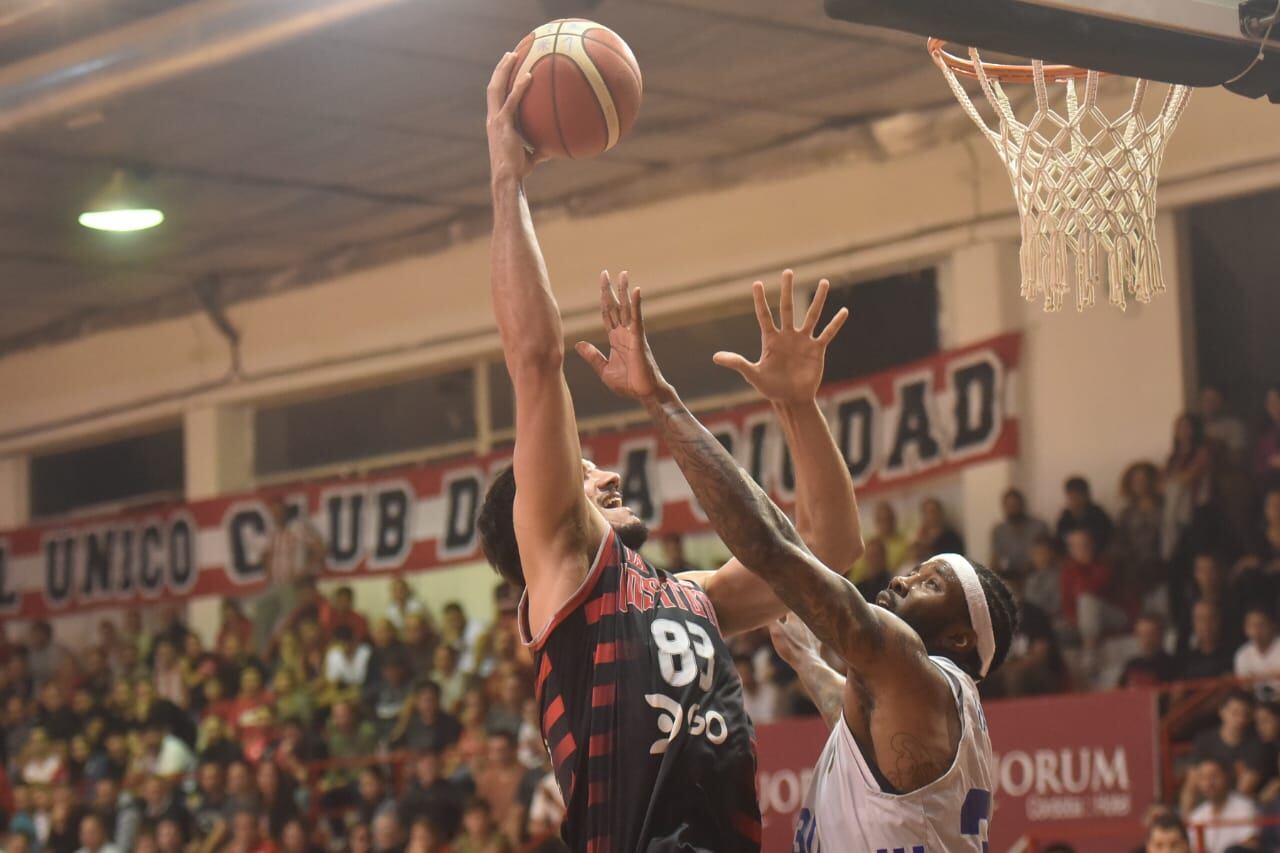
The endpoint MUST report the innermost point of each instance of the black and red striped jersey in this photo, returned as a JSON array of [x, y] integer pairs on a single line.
[[642, 712]]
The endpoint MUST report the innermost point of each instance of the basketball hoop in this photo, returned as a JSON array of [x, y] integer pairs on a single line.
[[1085, 184]]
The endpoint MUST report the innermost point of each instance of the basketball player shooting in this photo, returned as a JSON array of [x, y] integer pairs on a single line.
[[641, 706], [908, 764]]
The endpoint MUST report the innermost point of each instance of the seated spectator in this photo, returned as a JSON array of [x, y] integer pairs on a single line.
[[404, 603], [217, 741], [506, 700], [1266, 450], [531, 750], [371, 795], [674, 559], [44, 656], [346, 737], [426, 837], [1166, 834], [247, 835], [480, 831], [388, 835], [763, 700], [209, 807], [384, 644], [429, 795], [449, 675], [166, 671], [253, 715], [420, 644], [347, 661], [1153, 665], [1137, 534], [936, 535], [895, 542], [1208, 584], [424, 725], [389, 697], [1266, 725], [293, 838], [462, 634], [342, 612], [1257, 571], [1221, 804], [53, 716], [1207, 655], [292, 698], [277, 797], [1260, 655], [164, 754], [500, 779], [876, 570], [1086, 584], [1082, 513], [160, 803], [1034, 665], [93, 836], [1013, 538], [1233, 742], [242, 792], [120, 811]]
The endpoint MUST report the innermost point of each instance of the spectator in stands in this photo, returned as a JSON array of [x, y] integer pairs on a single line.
[[1035, 665], [1082, 513], [763, 699], [342, 611], [1221, 803], [120, 811], [432, 796], [1260, 656], [208, 805], [1086, 582], [674, 558], [419, 641], [253, 714], [1207, 655], [387, 833], [506, 701], [1166, 834], [1013, 538], [404, 604], [384, 644], [388, 698], [1233, 743], [1152, 665], [1258, 571], [163, 753], [1266, 451], [93, 836], [424, 725], [450, 676], [462, 634], [246, 834], [346, 736], [936, 535], [1220, 426], [876, 570], [500, 779], [160, 803], [480, 833], [294, 553], [1138, 528], [895, 542], [44, 657], [371, 795], [347, 661], [1208, 584]]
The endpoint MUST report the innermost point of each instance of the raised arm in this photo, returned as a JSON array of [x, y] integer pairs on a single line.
[[755, 531], [554, 524], [799, 648], [789, 374]]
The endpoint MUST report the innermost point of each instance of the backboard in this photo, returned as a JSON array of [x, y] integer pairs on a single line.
[[1192, 42]]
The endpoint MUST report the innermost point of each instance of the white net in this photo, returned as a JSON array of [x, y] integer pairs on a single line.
[[1085, 185]]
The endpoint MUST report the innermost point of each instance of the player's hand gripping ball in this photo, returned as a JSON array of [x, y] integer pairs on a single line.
[[586, 89]]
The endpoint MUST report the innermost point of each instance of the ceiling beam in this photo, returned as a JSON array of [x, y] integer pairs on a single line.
[[149, 51]]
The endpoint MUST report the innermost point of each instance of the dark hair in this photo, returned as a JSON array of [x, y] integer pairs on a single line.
[[1197, 437], [1126, 480], [1150, 616], [1166, 821], [1014, 493], [497, 526], [1237, 694], [505, 733], [477, 804], [1262, 609], [428, 685], [1077, 483], [343, 633], [1004, 620]]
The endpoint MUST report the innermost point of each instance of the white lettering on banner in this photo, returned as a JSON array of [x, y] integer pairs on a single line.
[[1055, 782], [783, 791]]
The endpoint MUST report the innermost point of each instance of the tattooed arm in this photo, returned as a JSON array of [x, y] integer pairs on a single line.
[[800, 649]]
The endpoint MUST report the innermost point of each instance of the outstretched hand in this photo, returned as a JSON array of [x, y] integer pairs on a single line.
[[793, 640], [509, 155], [792, 358], [629, 370]]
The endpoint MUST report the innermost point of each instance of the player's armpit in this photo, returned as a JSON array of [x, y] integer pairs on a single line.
[[743, 601]]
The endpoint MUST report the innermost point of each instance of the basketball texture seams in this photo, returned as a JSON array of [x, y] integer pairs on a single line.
[[586, 90]]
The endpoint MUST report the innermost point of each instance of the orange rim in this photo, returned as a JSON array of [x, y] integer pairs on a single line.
[[1001, 72]]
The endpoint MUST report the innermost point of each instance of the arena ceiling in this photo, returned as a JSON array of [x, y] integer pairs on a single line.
[[362, 141]]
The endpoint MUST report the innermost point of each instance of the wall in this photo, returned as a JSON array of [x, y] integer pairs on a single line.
[[1096, 391]]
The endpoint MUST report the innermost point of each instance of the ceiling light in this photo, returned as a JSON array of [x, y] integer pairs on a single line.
[[120, 207]]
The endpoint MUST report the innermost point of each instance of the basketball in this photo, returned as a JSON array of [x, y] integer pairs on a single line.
[[586, 89]]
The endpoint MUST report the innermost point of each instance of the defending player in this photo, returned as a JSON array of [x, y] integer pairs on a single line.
[[641, 706], [908, 763]]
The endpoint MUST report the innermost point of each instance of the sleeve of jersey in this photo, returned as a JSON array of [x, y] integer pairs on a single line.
[[583, 596]]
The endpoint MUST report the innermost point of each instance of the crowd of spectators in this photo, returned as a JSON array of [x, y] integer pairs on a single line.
[[309, 725]]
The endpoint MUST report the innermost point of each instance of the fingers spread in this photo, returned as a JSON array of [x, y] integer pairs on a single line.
[[608, 302], [517, 94], [787, 301], [815, 307], [637, 312], [829, 333], [763, 315], [733, 361], [623, 298]]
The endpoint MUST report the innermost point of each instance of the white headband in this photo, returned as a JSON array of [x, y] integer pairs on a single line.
[[979, 613]]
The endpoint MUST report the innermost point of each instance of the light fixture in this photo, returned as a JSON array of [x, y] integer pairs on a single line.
[[119, 207]]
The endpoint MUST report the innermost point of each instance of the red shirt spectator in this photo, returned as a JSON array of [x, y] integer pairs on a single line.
[[341, 611], [1083, 573], [252, 715]]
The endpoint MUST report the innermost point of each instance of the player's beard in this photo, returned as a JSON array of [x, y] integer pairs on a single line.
[[633, 534]]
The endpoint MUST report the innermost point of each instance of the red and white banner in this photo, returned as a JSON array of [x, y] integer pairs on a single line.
[[1079, 769], [924, 419]]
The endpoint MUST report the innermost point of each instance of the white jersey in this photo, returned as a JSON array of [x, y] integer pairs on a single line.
[[846, 809]]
